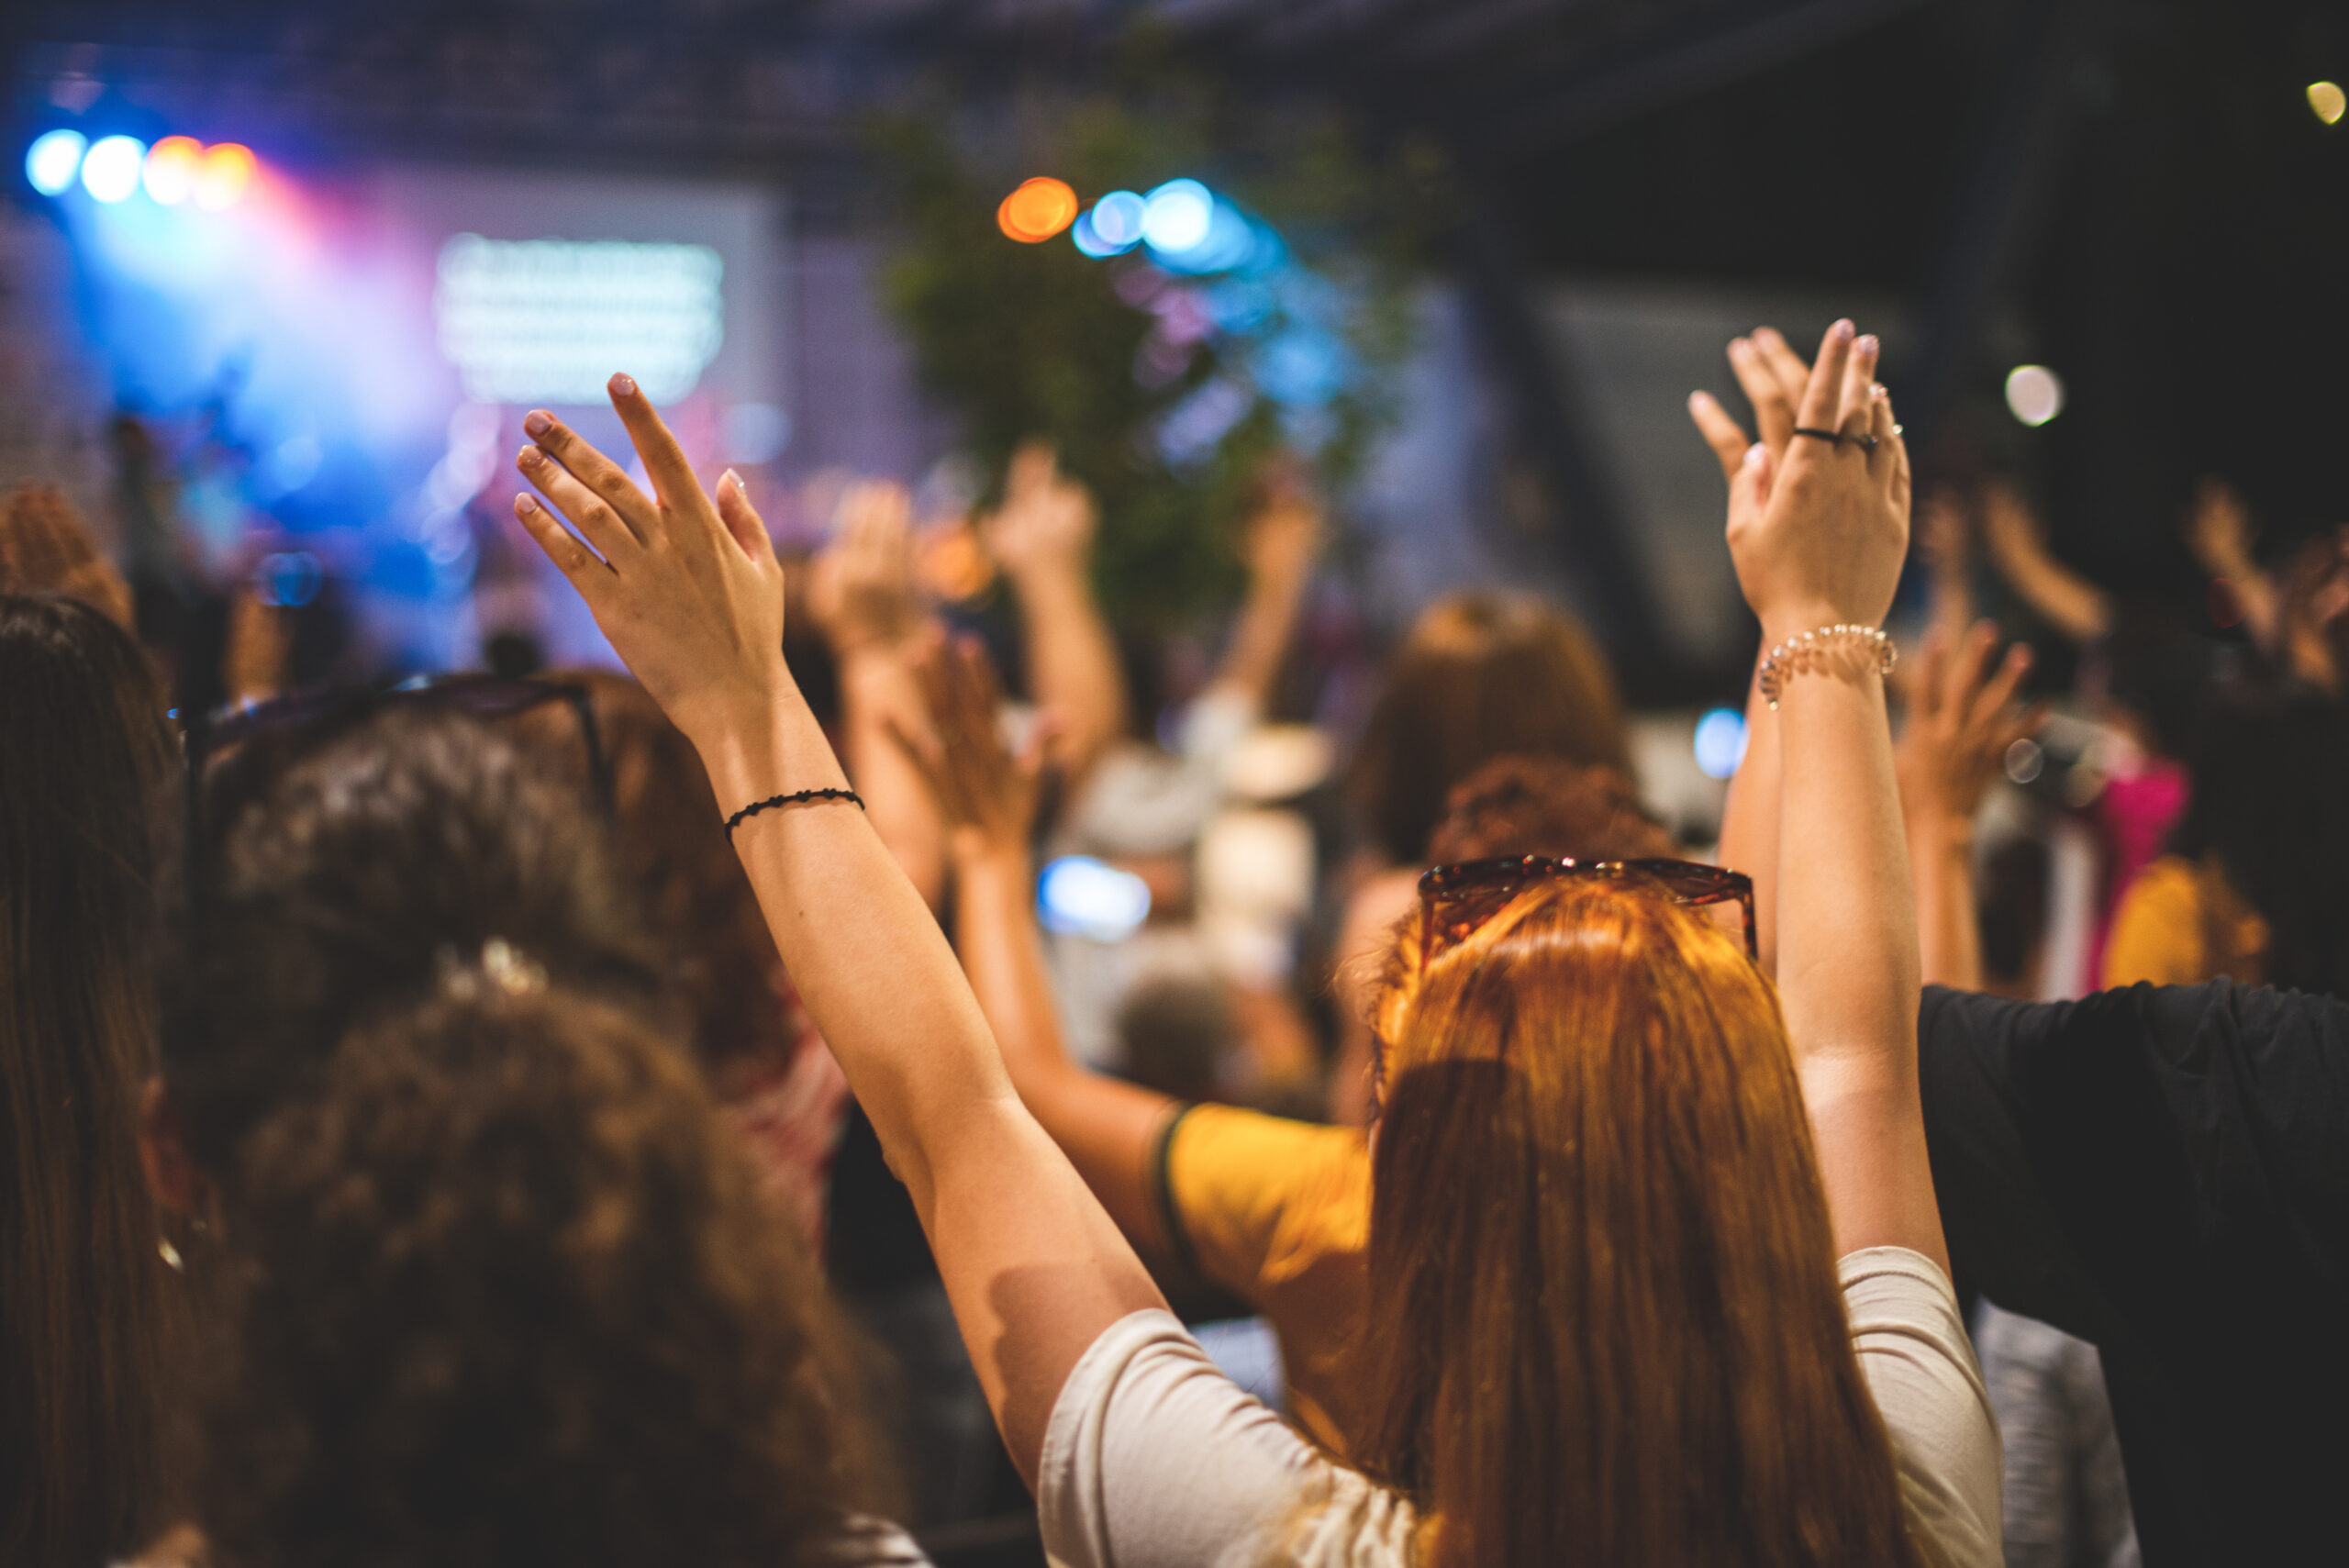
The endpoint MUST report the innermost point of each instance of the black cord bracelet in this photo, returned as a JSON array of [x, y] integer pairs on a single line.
[[792, 799]]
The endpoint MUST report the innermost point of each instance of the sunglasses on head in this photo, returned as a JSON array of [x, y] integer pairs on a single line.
[[1456, 901]]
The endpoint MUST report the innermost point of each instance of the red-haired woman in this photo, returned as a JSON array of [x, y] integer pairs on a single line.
[[1658, 1275]]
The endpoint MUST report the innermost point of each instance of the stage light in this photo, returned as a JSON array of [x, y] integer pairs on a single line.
[[1720, 742], [228, 172], [172, 167], [1038, 209], [1080, 897], [1175, 215], [1088, 239], [2034, 393], [2328, 100], [53, 158], [1117, 218], [110, 169], [545, 320]]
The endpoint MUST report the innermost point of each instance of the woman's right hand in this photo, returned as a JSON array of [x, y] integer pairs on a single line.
[[1826, 546], [985, 791], [861, 588]]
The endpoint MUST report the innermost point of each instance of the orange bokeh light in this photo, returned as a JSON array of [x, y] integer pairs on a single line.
[[228, 170], [171, 165], [1038, 209]]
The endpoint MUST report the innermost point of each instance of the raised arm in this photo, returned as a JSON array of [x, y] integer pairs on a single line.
[[1042, 535], [1817, 543], [1962, 717], [2016, 546], [1282, 541], [690, 594], [1107, 1127], [861, 594]]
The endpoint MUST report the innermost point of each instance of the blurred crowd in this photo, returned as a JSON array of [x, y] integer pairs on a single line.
[[498, 1118]]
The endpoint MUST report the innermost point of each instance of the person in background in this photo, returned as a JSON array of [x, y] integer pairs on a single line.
[[1480, 675], [1141, 1452], [759, 1052], [89, 1307], [502, 1288], [2250, 882]]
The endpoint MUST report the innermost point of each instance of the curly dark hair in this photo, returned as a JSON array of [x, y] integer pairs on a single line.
[[342, 862], [503, 1292], [1546, 806]]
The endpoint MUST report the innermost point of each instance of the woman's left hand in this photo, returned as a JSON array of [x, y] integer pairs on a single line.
[[686, 587]]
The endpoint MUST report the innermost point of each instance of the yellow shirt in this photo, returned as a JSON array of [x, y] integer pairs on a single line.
[[2179, 924], [1278, 1213]]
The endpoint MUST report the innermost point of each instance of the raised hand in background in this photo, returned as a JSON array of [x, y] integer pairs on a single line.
[[2016, 543], [1962, 717], [2219, 532]]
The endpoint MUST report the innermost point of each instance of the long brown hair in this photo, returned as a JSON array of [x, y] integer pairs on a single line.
[[1604, 1323], [86, 1305], [1481, 675]]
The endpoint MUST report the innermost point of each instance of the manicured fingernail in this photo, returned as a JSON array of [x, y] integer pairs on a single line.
[[1698, 399], [1878, 392], [529, 457], [622, 387], [1843, 330], [1867, 345], [1754, 454], [526, 503], [732, 478], [538, 422]]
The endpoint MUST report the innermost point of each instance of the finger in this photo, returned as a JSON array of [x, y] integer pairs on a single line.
[[1893, 448], [576, 562], [1774, 411], [1822, 393], [1855, 402], [1965, 676], [929, 761], [2000, 695], [1722, 433], [584, 510], [1749, 487], [597, 473], [1034, 465], [664, 460], [742, 519], [1785, 366]]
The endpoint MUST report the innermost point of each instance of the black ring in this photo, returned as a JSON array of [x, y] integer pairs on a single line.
[[1866, 443], [1818, 435]]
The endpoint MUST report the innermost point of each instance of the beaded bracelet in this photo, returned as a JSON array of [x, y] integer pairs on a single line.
[[792, 799], [1774, 662]]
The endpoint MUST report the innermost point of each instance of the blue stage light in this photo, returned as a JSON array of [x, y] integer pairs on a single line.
[[1088, 239], [53, 160], [110, 169], [1117, 218], [1176, 216], [1078, 895], [1720, 742]]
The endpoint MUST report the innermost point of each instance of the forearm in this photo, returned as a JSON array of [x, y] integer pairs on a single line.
[[1072, 661], [1750, 820], [1260, 640], [2060, 596], [877, 684], [1107, 1127], [1941, 860], [1848, 959]]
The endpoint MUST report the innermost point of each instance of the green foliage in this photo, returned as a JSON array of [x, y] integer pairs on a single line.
[[1022, 341]]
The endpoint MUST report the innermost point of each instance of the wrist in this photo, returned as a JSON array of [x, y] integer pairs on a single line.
[[1050, 581], [742, 744], [979, 853]]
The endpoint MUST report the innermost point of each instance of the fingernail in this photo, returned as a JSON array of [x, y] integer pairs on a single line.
[[1698, 399], [526, 503], [622, 387], [529, 457], [1878, 391], [1843, 330], [538, 422], [1754, 454], [1867, 345], [730, 477]]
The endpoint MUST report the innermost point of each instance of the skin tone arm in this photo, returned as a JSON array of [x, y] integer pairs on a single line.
[[1282, 541], [1107, 1127], [861, 592], [1818, 540], [1962, 717], [2016, 546], [689, 592], [1042, 535], [2219, 532]]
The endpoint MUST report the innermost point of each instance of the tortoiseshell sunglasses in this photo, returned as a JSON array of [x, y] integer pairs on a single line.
[[1455, 900]]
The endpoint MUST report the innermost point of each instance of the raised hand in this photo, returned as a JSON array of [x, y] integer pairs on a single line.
[[986, 793], [1962, 719], [1285, 534], [1047, 520], [862, 588], [1818, 535], [685, 585]]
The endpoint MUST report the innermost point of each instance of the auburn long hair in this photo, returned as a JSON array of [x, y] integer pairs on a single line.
[[1604, 1323]]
